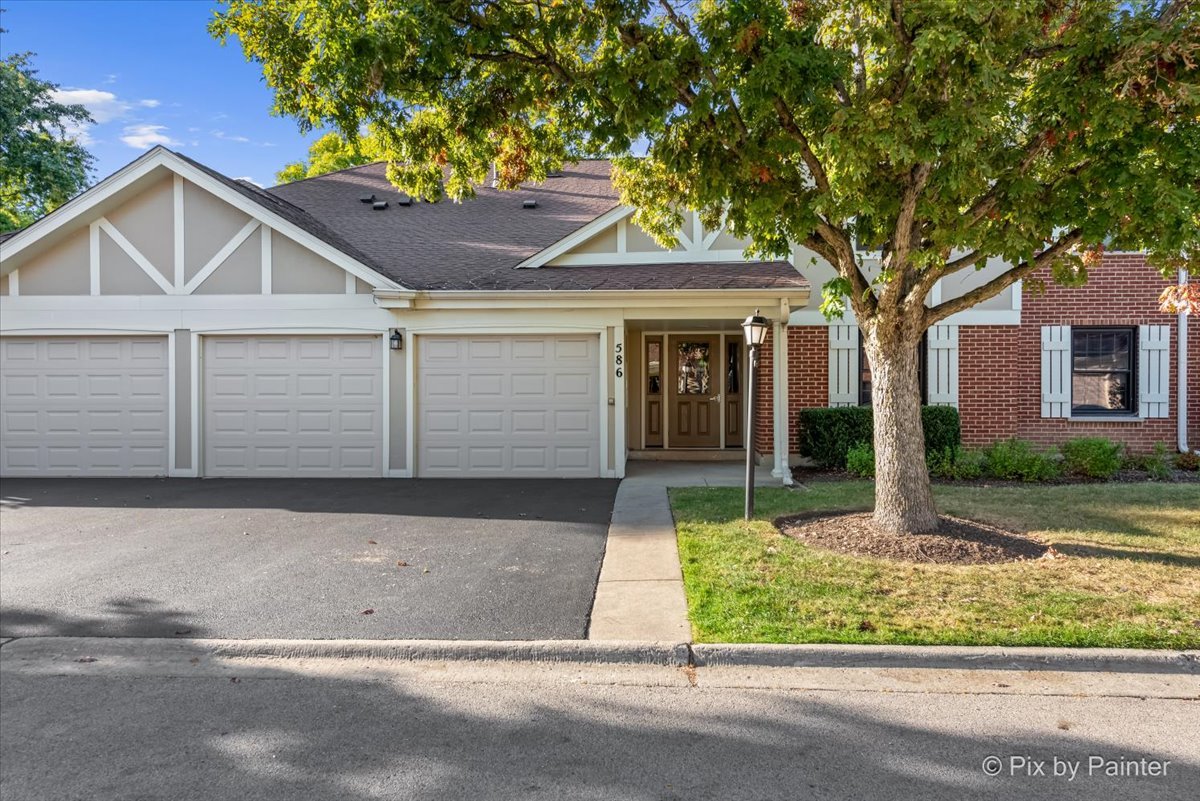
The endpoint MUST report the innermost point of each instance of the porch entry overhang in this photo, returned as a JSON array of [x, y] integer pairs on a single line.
[[686, 389]]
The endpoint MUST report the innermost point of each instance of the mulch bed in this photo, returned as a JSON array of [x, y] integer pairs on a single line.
[[956, 542]]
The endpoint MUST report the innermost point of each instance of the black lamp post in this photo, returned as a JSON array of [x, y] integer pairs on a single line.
[[755, 327]]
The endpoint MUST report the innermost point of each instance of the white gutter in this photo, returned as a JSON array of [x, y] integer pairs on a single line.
[[1181, 352]]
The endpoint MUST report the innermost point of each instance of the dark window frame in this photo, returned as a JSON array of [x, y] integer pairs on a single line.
[[1131, 383], [864, 393]]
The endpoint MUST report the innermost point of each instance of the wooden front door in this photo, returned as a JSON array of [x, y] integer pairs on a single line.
[[694, 368]]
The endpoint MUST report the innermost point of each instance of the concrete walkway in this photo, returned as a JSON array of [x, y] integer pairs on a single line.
[[640, 592]]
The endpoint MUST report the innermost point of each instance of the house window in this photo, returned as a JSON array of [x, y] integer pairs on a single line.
[[1102, 370], [864, 373]]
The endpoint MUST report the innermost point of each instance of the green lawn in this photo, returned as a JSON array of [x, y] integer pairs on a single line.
[[1131, 576]]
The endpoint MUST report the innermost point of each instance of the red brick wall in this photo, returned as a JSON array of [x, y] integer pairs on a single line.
[[999, 367], [808, 386]]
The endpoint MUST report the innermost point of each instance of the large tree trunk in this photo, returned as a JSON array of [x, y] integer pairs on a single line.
[[903, 497]]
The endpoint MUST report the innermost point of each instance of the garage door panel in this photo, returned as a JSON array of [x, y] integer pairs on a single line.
[[508, 406], [297, 405], [84, 406]]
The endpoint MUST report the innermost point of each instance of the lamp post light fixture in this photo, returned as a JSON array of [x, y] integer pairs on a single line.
[[755, 327]]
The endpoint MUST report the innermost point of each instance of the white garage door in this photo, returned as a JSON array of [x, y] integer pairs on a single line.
[[293, 406], [83, 406], [508, 406]]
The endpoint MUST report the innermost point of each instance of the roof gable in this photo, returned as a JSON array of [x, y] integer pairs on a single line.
[[148, 171]]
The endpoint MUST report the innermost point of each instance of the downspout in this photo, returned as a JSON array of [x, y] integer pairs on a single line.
[[1181, 352]]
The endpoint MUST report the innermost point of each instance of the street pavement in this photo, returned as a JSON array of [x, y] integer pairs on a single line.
[[140, 724]]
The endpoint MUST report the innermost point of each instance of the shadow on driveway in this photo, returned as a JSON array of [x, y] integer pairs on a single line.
[[323, 559]]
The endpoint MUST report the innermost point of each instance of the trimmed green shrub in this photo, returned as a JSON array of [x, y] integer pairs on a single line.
[[860, 460], [1095, 457], [827, 435], [1017, 459], [1156, 463], [1187, 461], [955, 464], [943, 429]]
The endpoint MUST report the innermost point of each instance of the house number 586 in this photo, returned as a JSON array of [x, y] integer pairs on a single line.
[[620, 359]]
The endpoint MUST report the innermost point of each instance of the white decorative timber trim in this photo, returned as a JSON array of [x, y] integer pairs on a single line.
[[14, 284], [179, 224], [690, 254], [266, 259], [351, 286], [94, 258], [141, 261], [222, 256], [160, 157], [577, 237]]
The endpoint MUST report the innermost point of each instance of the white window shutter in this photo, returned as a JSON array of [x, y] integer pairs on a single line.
[[843, 365], [1056, 371], [1154, 370], [941, 365]]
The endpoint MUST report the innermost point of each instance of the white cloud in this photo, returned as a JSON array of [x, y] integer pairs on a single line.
[[150, 103], [103, 106], [229, 137], [110, 78], [145, 136]]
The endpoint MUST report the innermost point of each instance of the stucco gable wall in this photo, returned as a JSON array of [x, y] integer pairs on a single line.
[[136, 230], [61, 270]]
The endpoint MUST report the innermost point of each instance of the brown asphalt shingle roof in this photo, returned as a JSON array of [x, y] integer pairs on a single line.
[[478, 243]]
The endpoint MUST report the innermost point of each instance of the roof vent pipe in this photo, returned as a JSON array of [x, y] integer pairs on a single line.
[[379, 205]]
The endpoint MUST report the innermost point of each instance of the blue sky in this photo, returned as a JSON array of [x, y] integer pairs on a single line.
[[150, 74]]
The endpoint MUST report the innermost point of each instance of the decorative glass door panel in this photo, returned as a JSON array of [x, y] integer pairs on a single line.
[[694, 393]]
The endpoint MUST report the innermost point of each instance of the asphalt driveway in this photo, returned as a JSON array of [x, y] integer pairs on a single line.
[[438, 559]]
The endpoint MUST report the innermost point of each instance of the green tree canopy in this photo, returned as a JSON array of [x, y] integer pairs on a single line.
[[41, 166], [330, 153], [946, 133]]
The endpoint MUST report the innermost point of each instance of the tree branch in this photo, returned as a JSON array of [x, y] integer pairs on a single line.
[[1002, 281], [788, 122], [686, 30]]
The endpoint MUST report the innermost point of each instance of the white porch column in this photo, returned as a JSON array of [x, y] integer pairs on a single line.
[[621, 397], [779, 402]]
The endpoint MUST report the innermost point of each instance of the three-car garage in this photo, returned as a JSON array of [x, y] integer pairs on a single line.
[[312, 405]]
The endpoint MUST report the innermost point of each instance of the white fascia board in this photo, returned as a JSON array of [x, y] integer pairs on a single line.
[[576, 237], [968, 317], [598, 298]]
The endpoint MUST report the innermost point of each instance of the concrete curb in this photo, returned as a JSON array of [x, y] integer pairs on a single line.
[[641, 653], [570, 651], [947, 657]]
